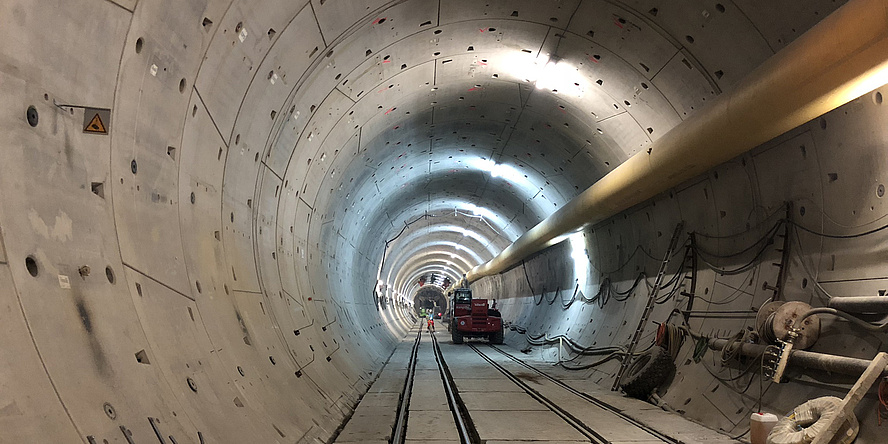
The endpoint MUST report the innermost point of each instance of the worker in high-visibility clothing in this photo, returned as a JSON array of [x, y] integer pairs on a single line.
[[431, 324]]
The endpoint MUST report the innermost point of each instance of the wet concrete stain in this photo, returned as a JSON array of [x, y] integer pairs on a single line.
[[69, 151], [534, 378], [99, 358], [243, 326]]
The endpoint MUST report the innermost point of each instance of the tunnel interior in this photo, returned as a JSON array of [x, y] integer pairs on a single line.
[[430, 299], [236, 246]]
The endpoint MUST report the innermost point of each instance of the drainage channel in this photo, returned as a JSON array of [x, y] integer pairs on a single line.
[[464, 426], [399, 433], [585, 430], [591, 399]]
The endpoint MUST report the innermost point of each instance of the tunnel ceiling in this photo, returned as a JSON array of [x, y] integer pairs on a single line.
[[461, 111]]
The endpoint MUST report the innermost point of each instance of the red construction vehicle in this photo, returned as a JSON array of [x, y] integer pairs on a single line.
[[472, 318]]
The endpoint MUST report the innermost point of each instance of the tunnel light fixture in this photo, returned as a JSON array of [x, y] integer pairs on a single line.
[[580, 256], [562, 78], [548, 72]]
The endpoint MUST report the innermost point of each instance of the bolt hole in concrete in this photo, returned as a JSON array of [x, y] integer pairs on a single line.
[[877, 98], [191, 384], [134, 167], [31, 265], [109, 410], [109, 273], [240, 370], [32, 116], [139, 43], [197, 284]]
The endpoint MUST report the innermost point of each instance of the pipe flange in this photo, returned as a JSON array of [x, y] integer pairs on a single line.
[[764, 312], [785, 317]]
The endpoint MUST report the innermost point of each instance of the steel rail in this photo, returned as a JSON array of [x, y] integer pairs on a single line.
[[573, 421], [464, 425], [399, 432], [599, 403]]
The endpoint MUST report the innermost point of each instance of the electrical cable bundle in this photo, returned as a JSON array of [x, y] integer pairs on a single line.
[[670, 338]]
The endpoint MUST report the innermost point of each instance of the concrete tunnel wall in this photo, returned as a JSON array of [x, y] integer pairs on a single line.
[[259, 153]]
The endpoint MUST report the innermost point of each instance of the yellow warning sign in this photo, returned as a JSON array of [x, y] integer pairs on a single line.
[[96, 121], [96, 126]]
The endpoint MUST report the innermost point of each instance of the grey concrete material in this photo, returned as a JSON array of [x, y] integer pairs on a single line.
[[606, 422], [677, 427], [21, 363], [2, 248], [438, 425], [368, 426], [485, 385], [518, 441], [428, 399], [519, 425], [432, 441], [423, 376], [500, 401], [382, 441], [379, 400], [428, 391], [387, 384]]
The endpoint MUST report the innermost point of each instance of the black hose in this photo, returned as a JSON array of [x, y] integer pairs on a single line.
[[832, 311]]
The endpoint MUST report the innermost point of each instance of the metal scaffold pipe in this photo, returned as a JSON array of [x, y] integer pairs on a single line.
[[836, 61]]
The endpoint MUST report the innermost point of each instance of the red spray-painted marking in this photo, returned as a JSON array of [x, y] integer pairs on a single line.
[[376, 22], [474, 88], [617, 22], [386, 61], [390, 110]]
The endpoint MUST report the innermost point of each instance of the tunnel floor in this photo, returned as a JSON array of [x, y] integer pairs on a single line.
[[500, 395]]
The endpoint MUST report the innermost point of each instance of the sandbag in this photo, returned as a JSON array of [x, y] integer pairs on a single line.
[[808, 420]]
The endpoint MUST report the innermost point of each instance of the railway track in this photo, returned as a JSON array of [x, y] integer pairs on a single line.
[[587, 431], [590, 398], [466, 429], [464, 426], [582, 423], [568, 418], [399, 432]]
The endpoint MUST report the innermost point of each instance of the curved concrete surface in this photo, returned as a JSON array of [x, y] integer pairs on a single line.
[[209, 253]]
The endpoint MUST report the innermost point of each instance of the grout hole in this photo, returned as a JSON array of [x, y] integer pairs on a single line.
[[31, 265]]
